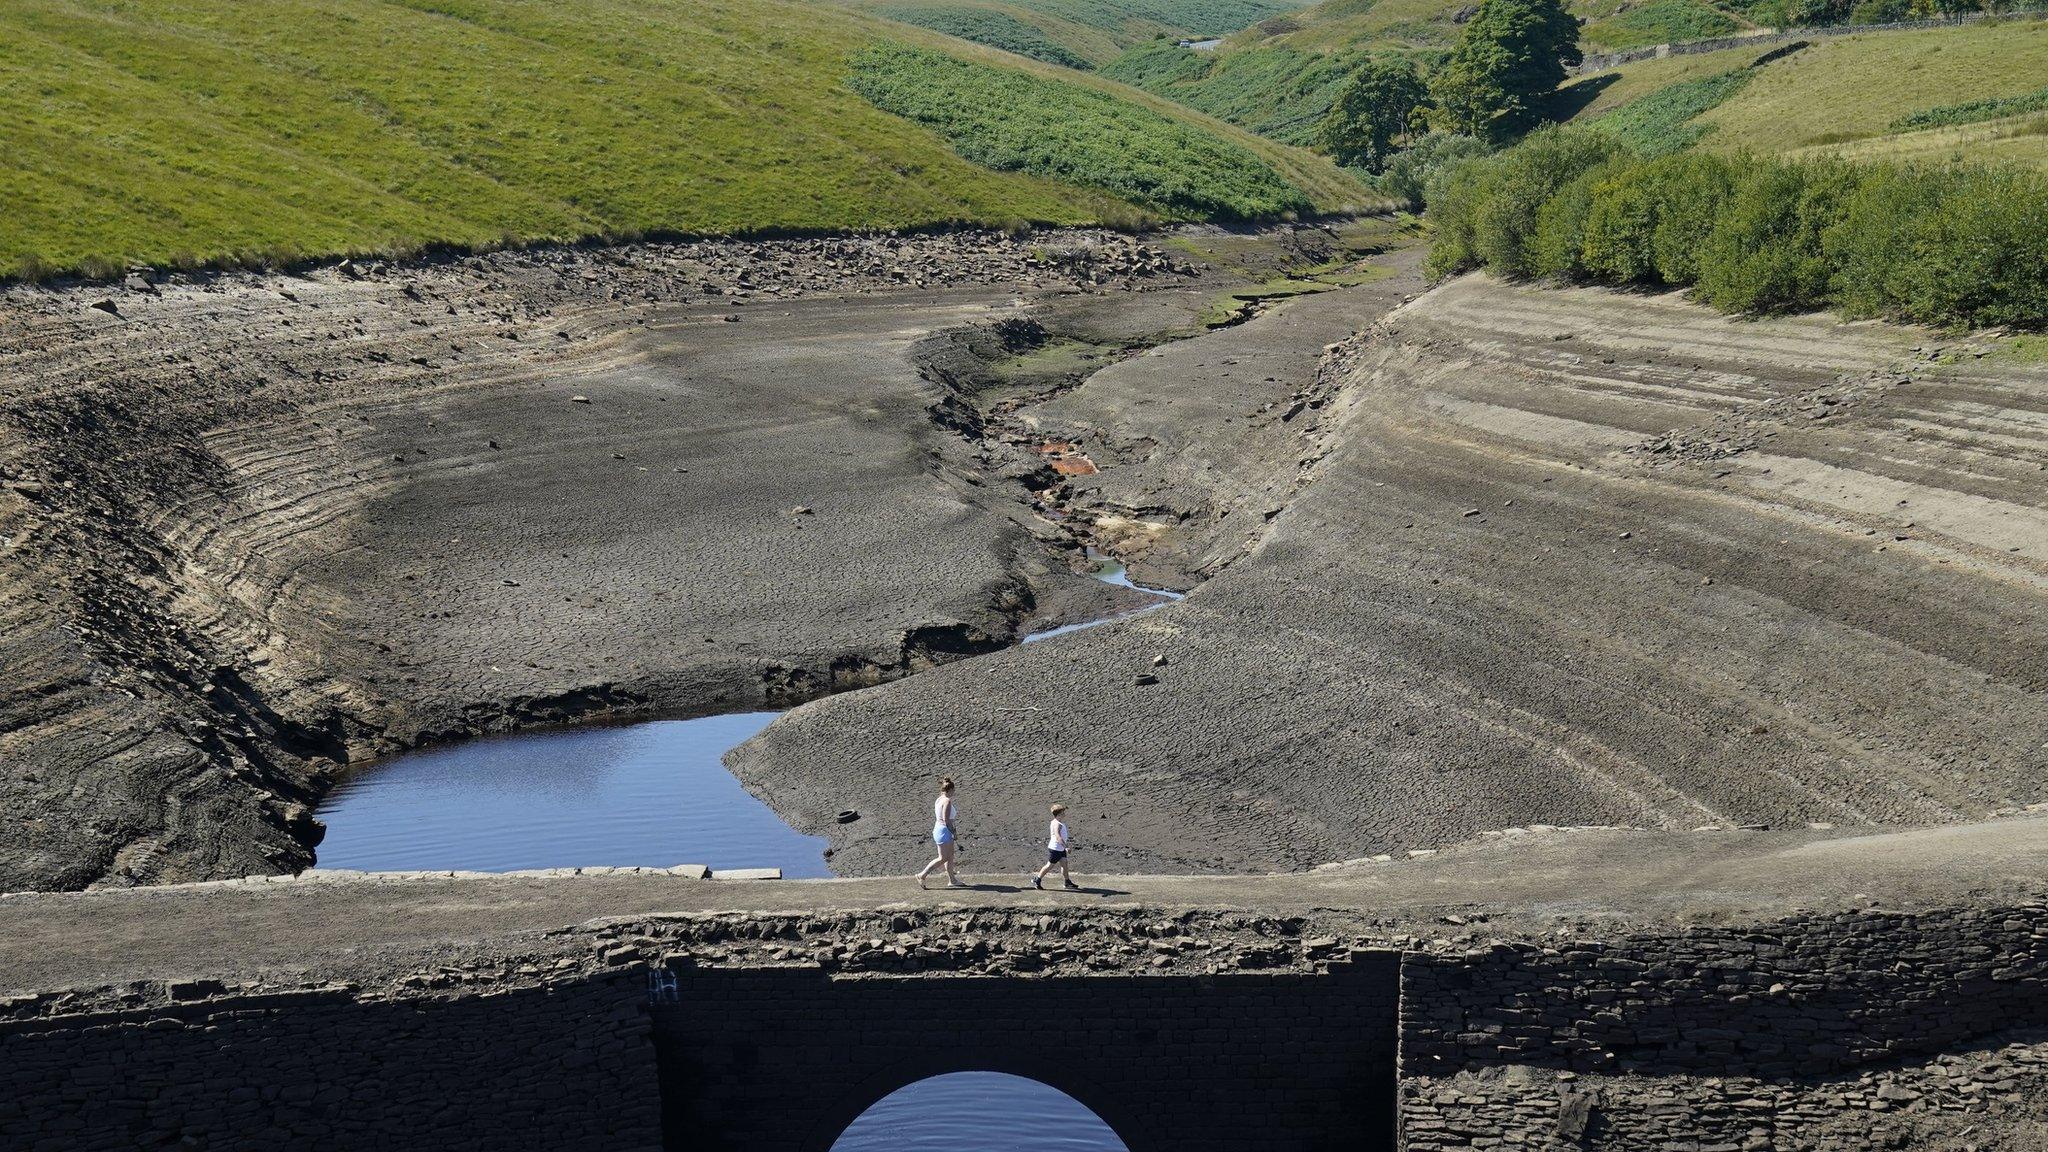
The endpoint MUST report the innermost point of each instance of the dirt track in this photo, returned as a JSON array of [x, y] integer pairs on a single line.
[[1573, 557], [1601, 882]]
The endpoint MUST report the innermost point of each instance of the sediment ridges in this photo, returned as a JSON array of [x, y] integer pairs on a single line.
[[1573, 557], [257, 526]]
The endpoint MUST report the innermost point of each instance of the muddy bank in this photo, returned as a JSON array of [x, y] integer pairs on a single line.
[[1561, 557], [255, 527]]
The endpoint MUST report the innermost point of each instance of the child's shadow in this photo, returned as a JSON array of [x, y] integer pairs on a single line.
[[1083, 890]]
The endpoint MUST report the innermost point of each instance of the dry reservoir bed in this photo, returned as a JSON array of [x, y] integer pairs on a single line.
[[1461, 558]]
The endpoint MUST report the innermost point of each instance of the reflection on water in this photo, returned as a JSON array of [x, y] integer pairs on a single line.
[[653, 794], [978, 1112]]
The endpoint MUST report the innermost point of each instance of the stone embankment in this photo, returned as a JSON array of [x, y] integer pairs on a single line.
[[1539, 1005]]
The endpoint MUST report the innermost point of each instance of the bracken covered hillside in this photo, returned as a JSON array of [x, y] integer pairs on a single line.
[[203, 131]]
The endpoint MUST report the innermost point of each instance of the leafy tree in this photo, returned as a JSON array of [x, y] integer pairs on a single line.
[[1375, 108], [1411, 171], [1511, 55]]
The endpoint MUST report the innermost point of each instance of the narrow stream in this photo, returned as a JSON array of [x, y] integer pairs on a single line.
[[652, 794]]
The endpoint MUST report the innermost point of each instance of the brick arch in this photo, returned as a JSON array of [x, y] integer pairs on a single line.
[[917, 1069], [782, 1060]]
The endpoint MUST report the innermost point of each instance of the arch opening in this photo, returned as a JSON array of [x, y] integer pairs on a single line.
[[981, 1111]]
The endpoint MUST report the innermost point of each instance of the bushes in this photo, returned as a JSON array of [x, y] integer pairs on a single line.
[[1958, 248], [1010, 120], [1649, 221], [1764, 254], [1410, 171], [1490, 207], [1954, 247]]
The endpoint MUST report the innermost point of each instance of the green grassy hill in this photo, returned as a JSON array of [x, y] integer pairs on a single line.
[[167, 131], [1278, 77], [1857, 96], [1078, 33]]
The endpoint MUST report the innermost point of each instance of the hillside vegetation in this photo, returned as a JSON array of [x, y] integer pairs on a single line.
[[1009, 120], [173, 131], [1078, 33], [1281, 76], [1956, 247], [1879, 91], [992, 27]]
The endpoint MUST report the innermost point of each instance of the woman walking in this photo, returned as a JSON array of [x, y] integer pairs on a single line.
[[944, 833]]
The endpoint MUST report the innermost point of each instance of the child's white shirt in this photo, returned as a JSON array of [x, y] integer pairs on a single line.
[[1056, 838]]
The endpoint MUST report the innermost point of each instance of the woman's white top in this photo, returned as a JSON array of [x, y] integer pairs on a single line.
[[941, 808], [1056, 838]]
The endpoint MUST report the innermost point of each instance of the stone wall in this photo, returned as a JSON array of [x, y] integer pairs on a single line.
[[517, 1070], [1210, 1031], [1507, 1042], [784, 1060]]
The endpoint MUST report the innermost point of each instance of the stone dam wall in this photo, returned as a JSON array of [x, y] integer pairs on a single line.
[[1839, 1031], [516, 1069], [1175, 1064], [1522, 1038]]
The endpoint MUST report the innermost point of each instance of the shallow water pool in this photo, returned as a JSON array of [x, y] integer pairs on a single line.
[[652, 794], [649, 794]]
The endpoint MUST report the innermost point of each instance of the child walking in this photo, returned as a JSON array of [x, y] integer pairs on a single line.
[[1056, 851]]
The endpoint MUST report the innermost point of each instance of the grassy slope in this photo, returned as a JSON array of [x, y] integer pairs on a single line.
[[1279, 76], [1006, 119], [154, 130], [990, 26], [1841, 94], [1098, 30]]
